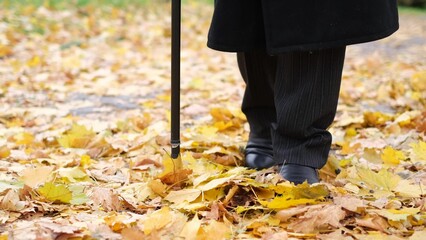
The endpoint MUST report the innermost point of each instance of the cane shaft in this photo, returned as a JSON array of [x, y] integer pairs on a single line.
[[176, 42]]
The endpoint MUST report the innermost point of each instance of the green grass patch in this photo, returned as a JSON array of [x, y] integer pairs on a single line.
[[412, 10]]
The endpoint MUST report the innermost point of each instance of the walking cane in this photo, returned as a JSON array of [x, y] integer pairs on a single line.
[[175, 68]]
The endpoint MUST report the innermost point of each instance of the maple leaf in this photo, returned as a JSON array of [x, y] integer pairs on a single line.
[[316, 220], [33, 177], [378, 184], [419, 151], [157, 220], [106, 198], [191, 228], [391, 156], [55, 192], [215, 230], [78, 137]]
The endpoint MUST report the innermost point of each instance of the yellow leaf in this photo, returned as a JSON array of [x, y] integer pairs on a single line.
[[347, 148], [55, 192], [418, 81], [171, 165], [222, 125], [4, 152], [23, 138], [397, 215], [191, 228], [213, 194], [184, 195], [78, 137], [406, 189], [220, 114], [5, 50], [241, 209], [301, 191], [345, 162], [32, 177], [283, 202], [391, 156], [208, 132], [407, 117], [74, 174], [116, 222], [379, 184], [373, 119], [158, 187], [85, 160], [157, 220], [215, 183], [34, 61], [419, 150], [215, 230], [351, 132]]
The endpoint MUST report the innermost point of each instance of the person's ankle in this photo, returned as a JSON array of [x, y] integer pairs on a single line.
[[259, 153]]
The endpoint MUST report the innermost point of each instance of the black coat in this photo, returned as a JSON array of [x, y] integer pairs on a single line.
[[288, 25]]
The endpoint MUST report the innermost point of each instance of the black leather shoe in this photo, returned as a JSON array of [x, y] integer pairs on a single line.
[[259, 154], [299, 174]]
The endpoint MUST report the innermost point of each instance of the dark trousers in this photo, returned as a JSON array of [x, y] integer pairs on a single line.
[[292, 98]]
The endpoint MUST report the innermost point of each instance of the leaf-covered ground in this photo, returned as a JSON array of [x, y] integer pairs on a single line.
[[84, 136]]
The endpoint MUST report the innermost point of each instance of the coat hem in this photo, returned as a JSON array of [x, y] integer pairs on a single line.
[[304, 47]]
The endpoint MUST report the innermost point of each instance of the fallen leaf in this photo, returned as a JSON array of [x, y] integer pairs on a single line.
[[55, 192], [157, 220], [215, 230], [391, 156], [191, 228], [375, 222], [132, 234], [106, 198], [350, 203], [11, 202], [419, 151], [184, 195], [78, 137], [33, 177], [315, 220]]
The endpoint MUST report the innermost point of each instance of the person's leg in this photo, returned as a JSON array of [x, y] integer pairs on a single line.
[[258, 71], [307, 89]]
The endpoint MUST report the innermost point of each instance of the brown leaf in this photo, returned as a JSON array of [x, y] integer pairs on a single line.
[[214, 213], [176, 178], [350, 203], [375, 222], [106, 198], [12, 202], [275, 236], [316, 220], [286, 214], [57, 228], [145, 163], [132, 234], [226, 160], [33, 177]]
